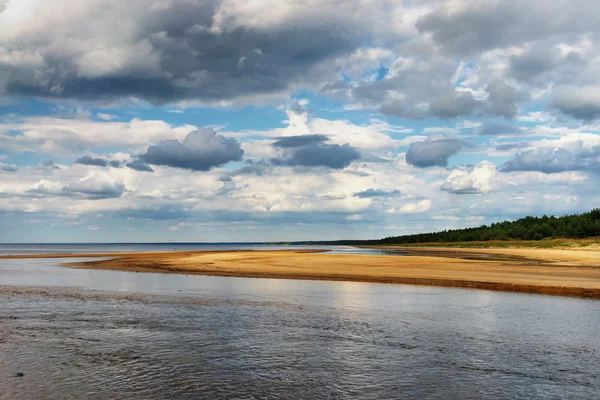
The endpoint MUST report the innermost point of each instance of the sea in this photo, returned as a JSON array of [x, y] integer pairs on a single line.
[[92, 334], [82, 248]]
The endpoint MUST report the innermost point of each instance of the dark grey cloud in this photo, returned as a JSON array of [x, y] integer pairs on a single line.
[[431, 153], [201, 150], [139, 165], [424, 89], [299, 141], [190, 50], [497, 129], [88, 160], [421, 90], [555, 160], [474, 28], [446, 103], [453, 106], [49, 166], [484, 25], [404, 109], [543, 64], [512, 146], [98, 162], [325, 155], [581, 103], [529, 65], [8, 167], [502, 99], [372, 193], [448, 187], [312, 151]]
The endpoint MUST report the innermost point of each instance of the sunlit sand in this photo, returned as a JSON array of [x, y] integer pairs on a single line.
[[547, 271]]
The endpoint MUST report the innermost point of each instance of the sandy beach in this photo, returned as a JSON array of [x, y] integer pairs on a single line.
[[573, 272]]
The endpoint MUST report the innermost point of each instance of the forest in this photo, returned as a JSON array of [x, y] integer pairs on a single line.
[[576, 226]]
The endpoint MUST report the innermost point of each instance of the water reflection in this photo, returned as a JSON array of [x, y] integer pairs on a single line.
[[107, 334]]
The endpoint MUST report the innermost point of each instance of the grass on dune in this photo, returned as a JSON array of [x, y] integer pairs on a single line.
[[541, 244]]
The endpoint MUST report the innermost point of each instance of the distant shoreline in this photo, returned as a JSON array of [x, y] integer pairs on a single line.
[[543, 271]]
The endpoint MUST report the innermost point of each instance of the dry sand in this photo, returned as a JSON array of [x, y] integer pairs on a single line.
[[548, 271]]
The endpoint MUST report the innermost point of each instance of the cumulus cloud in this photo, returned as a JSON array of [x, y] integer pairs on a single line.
[[49, 166], [466, 27], [8, 167], [444, 59], [470, 63], [46, 188], [139, 165], [433, 152], [95, 186], [529, 65], [412, 208], [327, 155], [252, 167], [209, 51], [88, 160], [201, 150], [99, 162], [299, 141], [578, 102], [497, 130], [311, 151], [68, 136], [512, 146], [555, 160], [373, 193], [471, 180], [453, 106], [372, 136], [445, 102], [502, 99], [135, 164]]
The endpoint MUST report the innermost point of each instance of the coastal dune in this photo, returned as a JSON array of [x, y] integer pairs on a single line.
[[557, 272]]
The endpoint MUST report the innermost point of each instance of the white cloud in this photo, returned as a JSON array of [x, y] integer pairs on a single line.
[[413, 208], [372, 136], [479, 179], [59, 136], [106, 116]]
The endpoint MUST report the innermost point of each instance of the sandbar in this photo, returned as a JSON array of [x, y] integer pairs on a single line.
[[544, 271]]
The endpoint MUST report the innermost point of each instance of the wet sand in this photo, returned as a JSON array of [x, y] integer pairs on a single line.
[[545, 271]]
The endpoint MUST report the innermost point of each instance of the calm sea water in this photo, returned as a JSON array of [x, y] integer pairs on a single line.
[[104, 334], [82, 248]]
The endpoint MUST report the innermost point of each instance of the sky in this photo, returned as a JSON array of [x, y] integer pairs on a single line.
[[248, 120]]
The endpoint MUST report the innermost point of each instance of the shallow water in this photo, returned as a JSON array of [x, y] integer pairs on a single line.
[[82, 248], [107, 334]]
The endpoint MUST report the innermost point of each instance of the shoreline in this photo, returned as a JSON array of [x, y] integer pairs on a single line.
[[541, 271]]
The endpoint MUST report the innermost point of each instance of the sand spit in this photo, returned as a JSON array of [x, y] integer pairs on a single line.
[[545, 271]]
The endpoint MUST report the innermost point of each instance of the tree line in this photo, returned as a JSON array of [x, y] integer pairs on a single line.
[[576, 226]]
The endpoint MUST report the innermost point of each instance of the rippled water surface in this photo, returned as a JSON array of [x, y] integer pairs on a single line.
[[82, 248], [79, 334]]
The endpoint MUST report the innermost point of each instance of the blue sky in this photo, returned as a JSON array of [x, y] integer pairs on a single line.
[[232, 120]]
